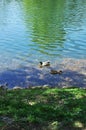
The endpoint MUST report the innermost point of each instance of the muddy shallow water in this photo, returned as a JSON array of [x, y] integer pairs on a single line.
[[74, 74]]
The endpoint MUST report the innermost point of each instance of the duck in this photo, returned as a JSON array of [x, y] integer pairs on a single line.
[[56, 72], [43, 64]]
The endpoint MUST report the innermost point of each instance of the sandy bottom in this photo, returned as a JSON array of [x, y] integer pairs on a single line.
[[74, 74]]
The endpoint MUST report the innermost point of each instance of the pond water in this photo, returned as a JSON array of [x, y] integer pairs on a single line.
[[33, 31]]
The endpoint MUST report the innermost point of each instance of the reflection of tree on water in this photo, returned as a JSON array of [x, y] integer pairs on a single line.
[[47, 23], [75, 13], [50, 20]]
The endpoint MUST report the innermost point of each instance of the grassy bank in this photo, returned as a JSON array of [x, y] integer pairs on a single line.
[[43, 109]]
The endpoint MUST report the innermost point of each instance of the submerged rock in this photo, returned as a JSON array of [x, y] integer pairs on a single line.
[[17, 88], [4, 86]]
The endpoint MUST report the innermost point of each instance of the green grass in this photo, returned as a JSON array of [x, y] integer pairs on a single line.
[[43, 109]]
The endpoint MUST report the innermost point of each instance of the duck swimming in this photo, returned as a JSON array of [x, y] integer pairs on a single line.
[[56, 72], [45, 63]]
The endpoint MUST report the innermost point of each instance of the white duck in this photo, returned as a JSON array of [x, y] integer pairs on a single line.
[[45, 63]]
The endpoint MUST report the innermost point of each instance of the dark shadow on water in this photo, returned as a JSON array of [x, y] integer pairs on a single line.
[[30, 76]]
